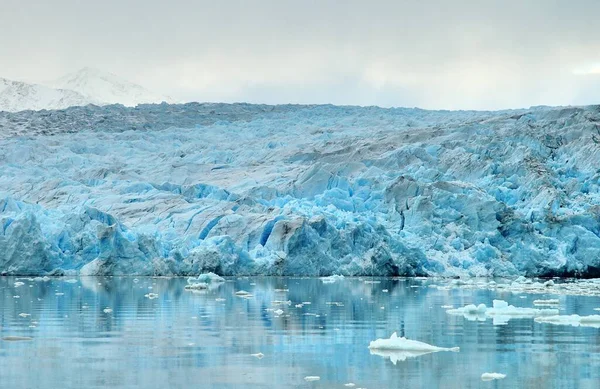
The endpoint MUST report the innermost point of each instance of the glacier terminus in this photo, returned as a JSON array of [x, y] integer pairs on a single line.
[[240, 189]]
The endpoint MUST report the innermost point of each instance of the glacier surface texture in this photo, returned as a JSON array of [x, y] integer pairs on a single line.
[[299, 190]]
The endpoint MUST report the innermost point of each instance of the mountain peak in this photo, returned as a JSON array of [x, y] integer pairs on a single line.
[[85, 86], [20, 96], [107, 87]]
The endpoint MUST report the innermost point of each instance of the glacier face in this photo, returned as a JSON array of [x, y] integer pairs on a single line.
[[300, 190]]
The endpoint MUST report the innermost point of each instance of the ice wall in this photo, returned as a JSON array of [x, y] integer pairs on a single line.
[[300, 190]]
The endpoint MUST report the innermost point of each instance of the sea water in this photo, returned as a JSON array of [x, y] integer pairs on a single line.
[[124, 332]]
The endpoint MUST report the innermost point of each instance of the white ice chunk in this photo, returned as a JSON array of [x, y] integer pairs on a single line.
[[501, 312], [399, 349], [332, 279], [572, 320], [492, 376], [312, 378], [546, 302]]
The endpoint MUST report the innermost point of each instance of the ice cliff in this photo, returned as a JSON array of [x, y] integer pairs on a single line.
[[300, 190]]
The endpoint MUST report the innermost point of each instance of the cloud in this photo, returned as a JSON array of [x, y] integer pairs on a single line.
[[433, 54]]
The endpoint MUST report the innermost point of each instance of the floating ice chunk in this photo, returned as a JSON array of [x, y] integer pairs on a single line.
[[492, 376], [572, 320], [16, 338], [207, 278], [299, 305], [59, 293], [19, 283], [501, 312], [219, 299], [279, 302], [384, 290], [350, 385], [242, 293], [197, 286], [281, 290], [470, 312], [332, 279], [399, 349], [151, 296], [258, 355], [24, 314], [17, 297], [107, 310], [546, 302], [71, 281], [278, 312], [447, 306], [312, 378], [396, 343]]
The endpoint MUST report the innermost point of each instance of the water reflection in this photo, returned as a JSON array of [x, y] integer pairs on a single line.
[[99, 332]]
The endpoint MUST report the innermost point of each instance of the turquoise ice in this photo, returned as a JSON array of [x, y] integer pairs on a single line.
[[300, 190]]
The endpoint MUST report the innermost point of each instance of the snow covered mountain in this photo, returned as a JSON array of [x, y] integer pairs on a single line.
[[300, 190], [18, 96], [87, 86], [107, 88]]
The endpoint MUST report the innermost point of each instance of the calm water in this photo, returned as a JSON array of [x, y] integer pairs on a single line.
[[184, 339]]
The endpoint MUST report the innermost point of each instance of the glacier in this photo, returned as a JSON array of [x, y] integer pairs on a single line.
[[305, 190]]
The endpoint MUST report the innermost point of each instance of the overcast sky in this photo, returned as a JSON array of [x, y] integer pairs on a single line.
[[431, 54]]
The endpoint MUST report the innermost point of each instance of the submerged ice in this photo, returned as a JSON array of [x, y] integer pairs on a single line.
[[300, 190]]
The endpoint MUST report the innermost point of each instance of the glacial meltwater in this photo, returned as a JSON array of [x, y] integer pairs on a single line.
[[124, 332]]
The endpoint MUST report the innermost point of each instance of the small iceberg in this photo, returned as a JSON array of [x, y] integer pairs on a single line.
[[500, 312], [312, 378], [492, 376], [332, 279], [207, 278], [197, 286], [151, 296], [549, 302], [204, 281], [258, 355], [571, 320], [399, 349]]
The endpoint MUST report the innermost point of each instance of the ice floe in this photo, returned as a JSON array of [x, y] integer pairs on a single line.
[[399, 348], [500, 312], [571, 320], [492, 376]]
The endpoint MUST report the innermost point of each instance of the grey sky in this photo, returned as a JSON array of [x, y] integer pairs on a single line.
[[431, 54]]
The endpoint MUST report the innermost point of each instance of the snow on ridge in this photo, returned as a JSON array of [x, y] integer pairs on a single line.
[[107, 88], [299, 190], [86, 86], [19, 96]]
